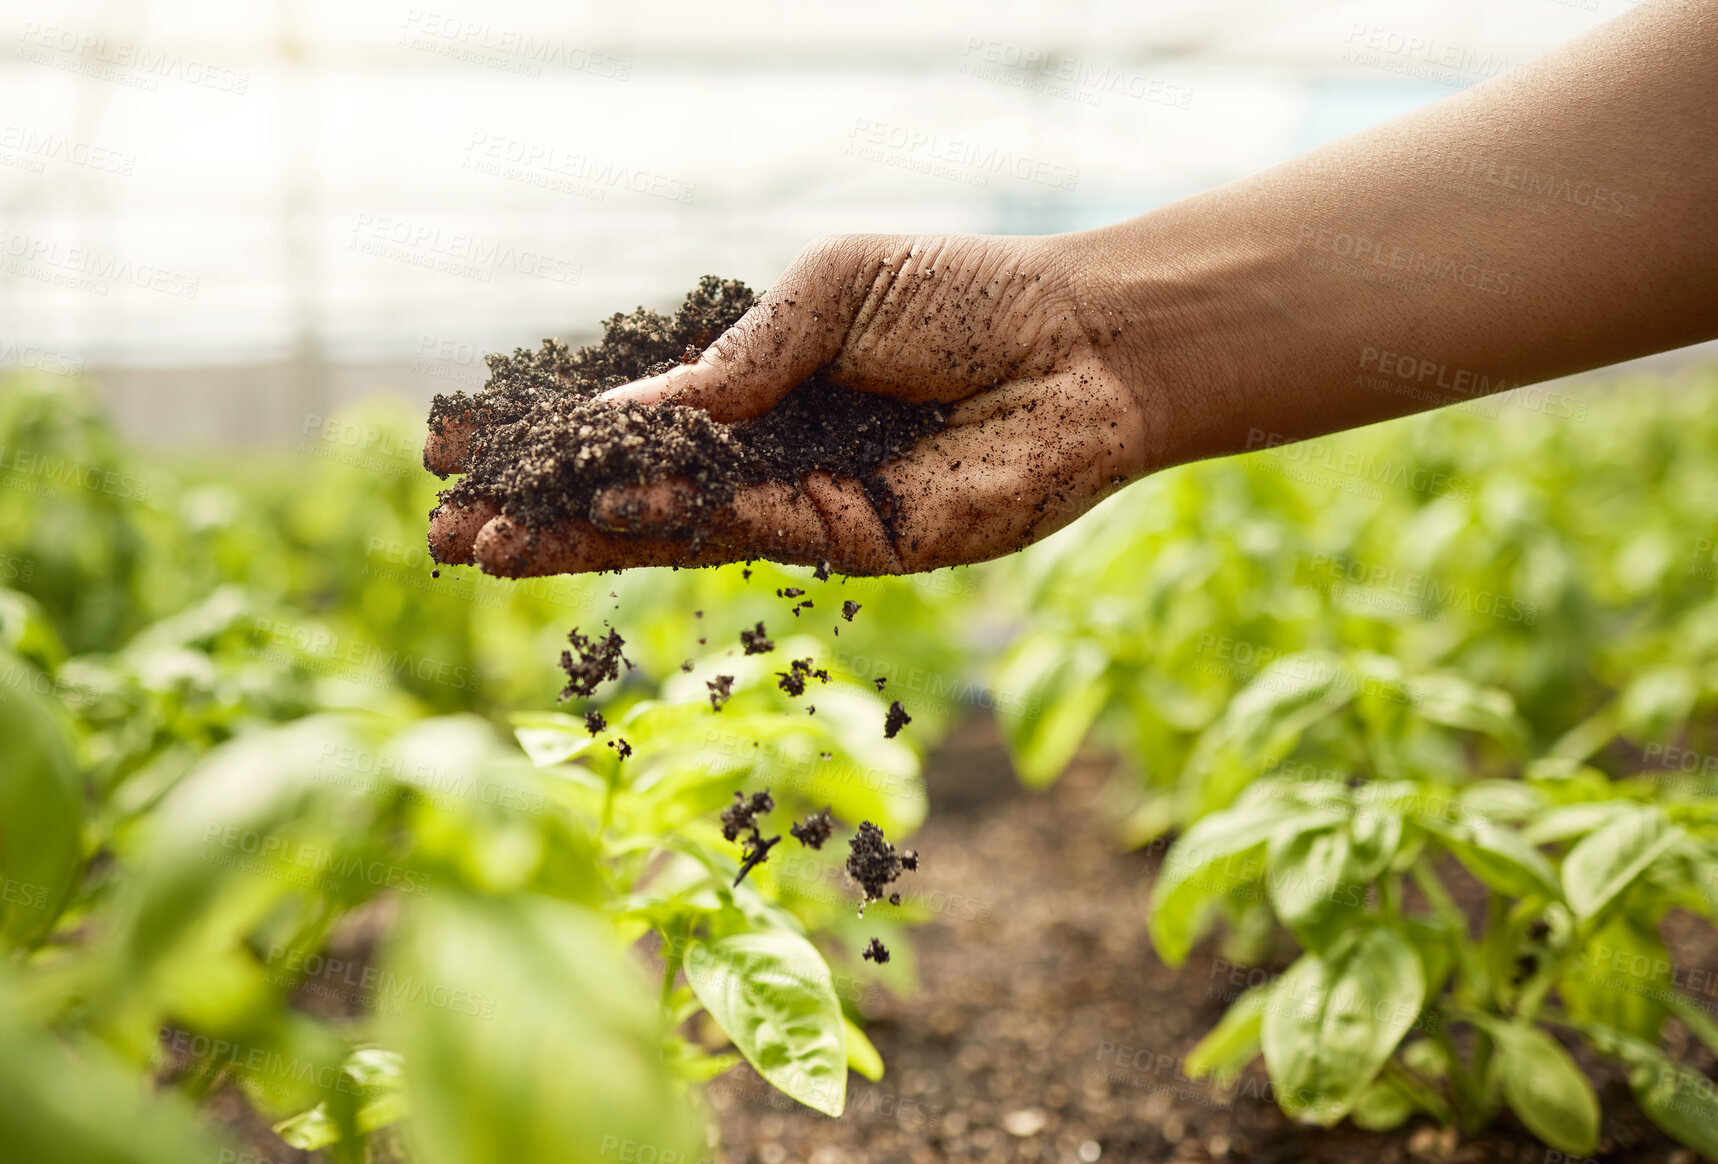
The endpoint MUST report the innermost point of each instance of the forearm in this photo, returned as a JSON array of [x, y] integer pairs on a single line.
[[1554, 220]]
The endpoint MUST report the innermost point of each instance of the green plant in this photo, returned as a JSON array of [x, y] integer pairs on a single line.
[[1398, 1004]]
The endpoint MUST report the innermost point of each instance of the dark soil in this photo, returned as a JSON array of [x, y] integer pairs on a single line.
[[741, 817], [590, 662], [874, 864], [757, 642], [793, 679], [1045, 1029], [896, 719], [876, 952], [543, 446], [816, 829]]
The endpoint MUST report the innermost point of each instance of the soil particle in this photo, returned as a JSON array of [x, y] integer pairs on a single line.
[[789, 592], [849, 609], [741, 817], [873, 863], [595, 723], [596, 661], [814, 830], [742, 814], [896, 719], [793, 679], [757, 642], [879, 681], [876, 952], [542, 446], [721, 690], [622, 749]]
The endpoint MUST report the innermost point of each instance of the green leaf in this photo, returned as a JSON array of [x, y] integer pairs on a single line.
[[1460, 703], [1375, 836], [1620, 978], [861, 1055], [79, 1105], [1214, 857], [1545, 1089], [41, 810], [1497, 856], [527, 1037], [1262, 725], [1334, 1020], [1311, 883], [374, 1077], [1234, 1041], [549, 737], [1679, 1101], [1607, 862], [772, 993], [1382, 1106], [1061, 688]]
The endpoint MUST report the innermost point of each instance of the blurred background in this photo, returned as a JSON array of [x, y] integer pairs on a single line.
[[242, 245], [235, 217]]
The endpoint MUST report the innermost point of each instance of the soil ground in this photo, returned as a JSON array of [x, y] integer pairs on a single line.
[[1045, 1029]]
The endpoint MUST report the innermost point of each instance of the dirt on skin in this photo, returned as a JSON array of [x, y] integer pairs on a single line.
[[1045, 1029], [543, 446]]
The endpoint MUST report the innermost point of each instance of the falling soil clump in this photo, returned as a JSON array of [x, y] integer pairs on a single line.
[[595, 723], [757, 642], [740, 817], [542, 446], [849, 609], [874, 864], [816, 828], [596, 661], [876, 952], [793, 679], [896, 719], [721, 690]]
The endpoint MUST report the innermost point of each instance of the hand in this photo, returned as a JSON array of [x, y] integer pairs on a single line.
[[1009, 333]]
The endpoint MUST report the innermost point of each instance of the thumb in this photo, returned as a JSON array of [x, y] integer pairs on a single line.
[[793, 329]]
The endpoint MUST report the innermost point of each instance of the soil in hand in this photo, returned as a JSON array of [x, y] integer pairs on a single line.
[[542, 446]]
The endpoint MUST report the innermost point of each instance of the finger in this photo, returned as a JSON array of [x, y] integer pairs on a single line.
[[819, 519], [448, 447], [453, 530], [796, 327], [508, 549]]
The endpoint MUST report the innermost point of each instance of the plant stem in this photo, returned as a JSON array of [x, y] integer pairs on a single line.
[[1419, 1091]]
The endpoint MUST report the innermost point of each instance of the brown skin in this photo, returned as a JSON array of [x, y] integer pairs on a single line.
[[1555, 219]]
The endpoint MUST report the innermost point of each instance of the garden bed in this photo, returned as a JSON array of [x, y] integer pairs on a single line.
[[1046, 1028]]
